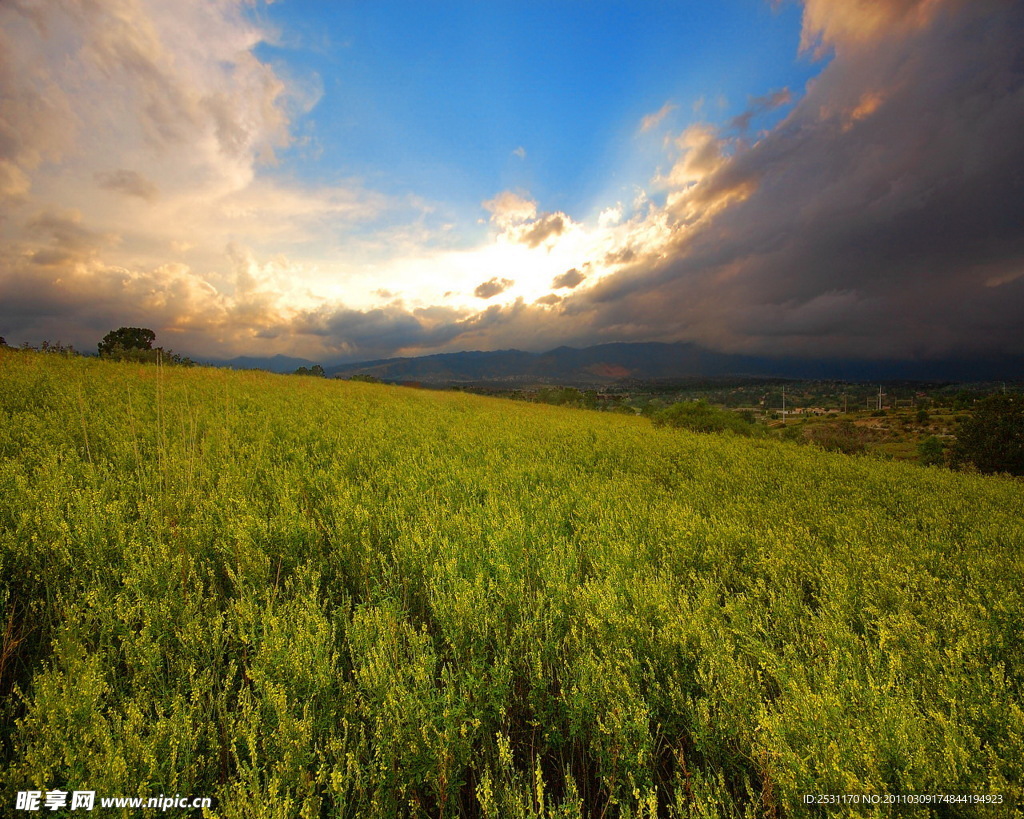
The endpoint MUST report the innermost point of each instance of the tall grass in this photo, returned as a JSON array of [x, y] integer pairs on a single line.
[[321, 599]]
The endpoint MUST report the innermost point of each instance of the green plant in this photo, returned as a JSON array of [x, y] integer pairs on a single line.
[[313, 597], [931, 451], [699, 416], [992, 438]]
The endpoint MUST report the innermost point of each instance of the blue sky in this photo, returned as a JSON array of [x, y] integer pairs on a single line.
[[433, 99], [353, 180]]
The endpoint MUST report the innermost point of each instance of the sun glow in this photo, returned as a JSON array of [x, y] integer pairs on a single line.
[[512, 264]]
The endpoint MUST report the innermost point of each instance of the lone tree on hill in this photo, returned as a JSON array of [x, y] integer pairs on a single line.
[[993, 437], [126, 338], [136, 344]]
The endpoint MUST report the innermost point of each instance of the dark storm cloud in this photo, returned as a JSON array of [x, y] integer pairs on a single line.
[[78, 299], [379, 332], [881, 218]]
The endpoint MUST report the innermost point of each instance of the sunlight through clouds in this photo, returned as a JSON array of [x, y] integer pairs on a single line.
[[170, 165]]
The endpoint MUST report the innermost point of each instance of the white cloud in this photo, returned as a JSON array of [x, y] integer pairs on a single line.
[[652, 121], [158, 123], [509, 208], [609, 217], [856, 23]]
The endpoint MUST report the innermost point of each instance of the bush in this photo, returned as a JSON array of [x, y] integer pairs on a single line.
[[793, 432], [561, 396], [699, 416], [992, 439], [931, 451], [841, 436]]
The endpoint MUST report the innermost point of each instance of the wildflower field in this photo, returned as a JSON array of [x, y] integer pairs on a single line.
[[310, 598]]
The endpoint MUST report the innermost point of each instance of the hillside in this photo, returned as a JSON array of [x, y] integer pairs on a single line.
[[307, 597], [617, 362]]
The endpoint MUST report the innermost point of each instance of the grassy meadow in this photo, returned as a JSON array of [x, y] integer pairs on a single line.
[[310, 598]]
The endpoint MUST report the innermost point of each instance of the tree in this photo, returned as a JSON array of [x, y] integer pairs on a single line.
[[993, 437], [126, 338], [136, 344]]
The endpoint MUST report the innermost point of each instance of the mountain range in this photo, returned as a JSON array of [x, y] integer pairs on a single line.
[[606, 364], [274, 364]]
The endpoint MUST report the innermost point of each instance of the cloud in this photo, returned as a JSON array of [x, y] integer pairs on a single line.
[[702, 153], [871, 221], [652, 121], [520, 152], [137, 98], [60, 239], [569, 279], [621, 256], [703, 179], [376, 333], [879, 218], [492, 287], [761, 105], [131, 183], [861, 23], [610, 216], [550, 224], [508, 208], [171, 107]]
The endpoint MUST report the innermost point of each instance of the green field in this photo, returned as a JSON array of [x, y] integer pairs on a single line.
[[309, 598]]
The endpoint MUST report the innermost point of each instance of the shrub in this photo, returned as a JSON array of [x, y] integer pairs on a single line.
[[993, 437], [699, 416], [931, 452], [841, 436]]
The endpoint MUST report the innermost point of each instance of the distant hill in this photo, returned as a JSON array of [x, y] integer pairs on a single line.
[[274, 364], [618, 362]]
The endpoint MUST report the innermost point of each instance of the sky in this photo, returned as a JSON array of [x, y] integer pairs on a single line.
[[350, 181]]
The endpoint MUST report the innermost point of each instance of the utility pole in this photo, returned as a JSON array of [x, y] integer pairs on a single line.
[[879, 397], [783, 405]]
